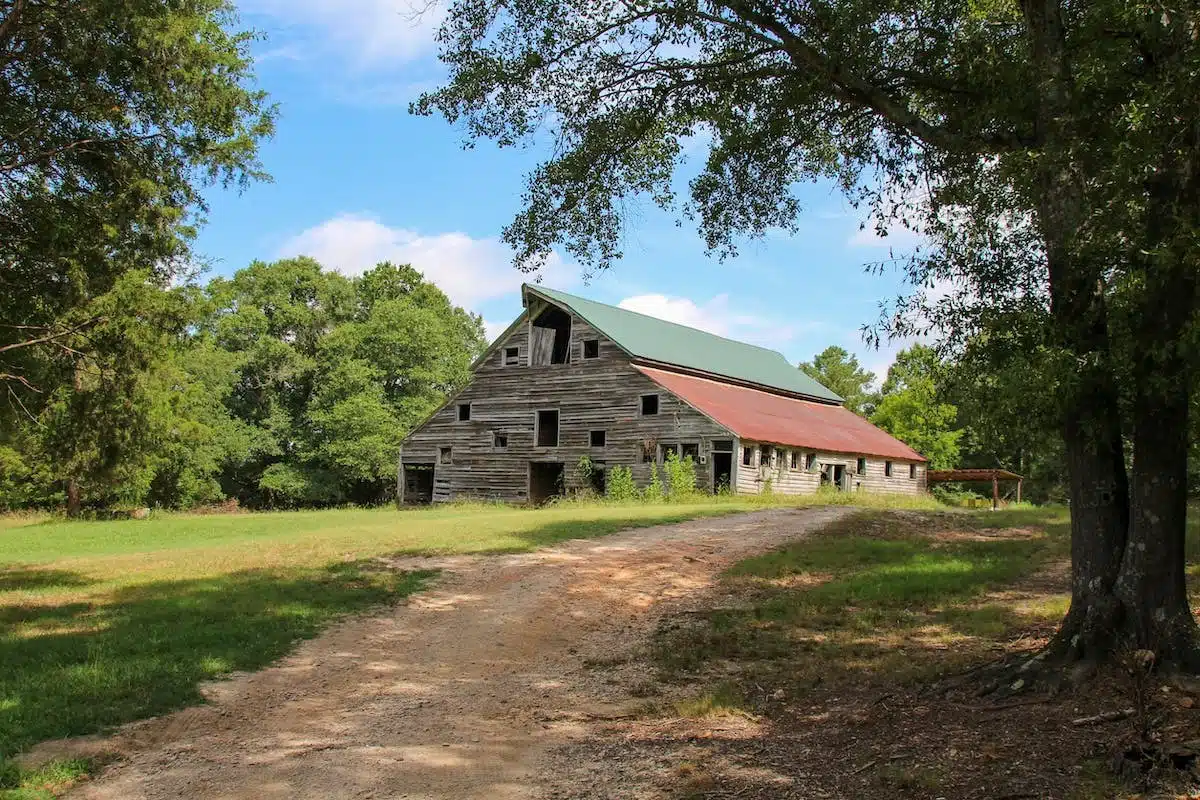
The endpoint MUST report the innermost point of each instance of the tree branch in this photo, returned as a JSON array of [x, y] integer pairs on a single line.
[[854, 88]]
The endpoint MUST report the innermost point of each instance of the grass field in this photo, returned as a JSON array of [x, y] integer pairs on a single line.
[[106, 622]]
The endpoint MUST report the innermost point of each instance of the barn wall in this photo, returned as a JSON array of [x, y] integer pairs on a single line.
[[593, 394], [785, 480]]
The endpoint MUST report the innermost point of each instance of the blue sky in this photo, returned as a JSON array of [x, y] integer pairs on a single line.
[[358, 180]]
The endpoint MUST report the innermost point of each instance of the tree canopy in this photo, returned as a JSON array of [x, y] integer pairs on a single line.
[[113, 116], [912, 409], [837, 370]]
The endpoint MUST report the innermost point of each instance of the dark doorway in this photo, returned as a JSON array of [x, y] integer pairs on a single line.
[[597, 479], [722, 471], [545, 481], [418, 484], [837, 476]]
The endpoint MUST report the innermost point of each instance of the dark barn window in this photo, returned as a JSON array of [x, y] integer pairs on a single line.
[[599, 438], [591, 348], [649, 405], [464, 412], [547, 428]]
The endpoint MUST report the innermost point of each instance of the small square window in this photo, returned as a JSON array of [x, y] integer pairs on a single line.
[[666, 449], [445, 455], [748, 456], [512, 356], [861, 468], [912, 472], [464, 412], [887, 468], [499, 440], [691, 451], [599, 438], [810, 461], [591, 348], [794, 460], [649, 405], [649, 454]]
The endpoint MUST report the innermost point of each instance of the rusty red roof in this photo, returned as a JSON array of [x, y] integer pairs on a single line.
[[764, 417]]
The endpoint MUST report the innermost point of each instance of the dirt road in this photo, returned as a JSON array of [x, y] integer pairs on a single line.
[[461, 693]]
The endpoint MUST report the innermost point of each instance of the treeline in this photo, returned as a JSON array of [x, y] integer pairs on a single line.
[[285, 385]]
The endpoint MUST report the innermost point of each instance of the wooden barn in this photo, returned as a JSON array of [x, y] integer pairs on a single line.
[[572, 378]]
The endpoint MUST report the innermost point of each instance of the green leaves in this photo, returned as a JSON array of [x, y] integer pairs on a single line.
[[112, 117], [838, 370], [911, 407]]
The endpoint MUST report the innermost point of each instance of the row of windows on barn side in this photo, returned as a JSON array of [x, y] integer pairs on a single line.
[[547, 429], [777, 458]]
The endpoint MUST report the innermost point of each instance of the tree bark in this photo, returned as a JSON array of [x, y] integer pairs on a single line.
[[73, 504], [1152, 585]]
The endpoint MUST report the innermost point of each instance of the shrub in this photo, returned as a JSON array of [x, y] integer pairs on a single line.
[[620, 486], [585, 469], [654, 490], [680, 477]]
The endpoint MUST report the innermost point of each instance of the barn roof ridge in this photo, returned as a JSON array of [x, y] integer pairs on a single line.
[[673, 344]]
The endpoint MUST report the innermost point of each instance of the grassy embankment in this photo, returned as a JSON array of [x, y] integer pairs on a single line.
[[852, 623]]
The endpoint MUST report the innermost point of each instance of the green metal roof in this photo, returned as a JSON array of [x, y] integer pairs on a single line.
[[668, 343]]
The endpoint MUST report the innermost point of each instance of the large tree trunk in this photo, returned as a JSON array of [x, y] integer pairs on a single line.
[[1089, 404], [1152, 585]]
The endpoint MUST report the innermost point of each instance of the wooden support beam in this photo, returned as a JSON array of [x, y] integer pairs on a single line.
[[995, 493]]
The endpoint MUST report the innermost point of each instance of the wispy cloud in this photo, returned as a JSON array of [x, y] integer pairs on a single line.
[[364, 34]]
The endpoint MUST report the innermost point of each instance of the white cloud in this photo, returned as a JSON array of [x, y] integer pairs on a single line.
[[369, 33], [898, 237], [492, 330], [715, 316], [471, 271]]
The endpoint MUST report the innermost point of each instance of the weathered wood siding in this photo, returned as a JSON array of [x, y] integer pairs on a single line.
[[590, 394], [785, 480]]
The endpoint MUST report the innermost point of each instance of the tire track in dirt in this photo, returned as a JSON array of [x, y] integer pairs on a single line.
[[459, 693]]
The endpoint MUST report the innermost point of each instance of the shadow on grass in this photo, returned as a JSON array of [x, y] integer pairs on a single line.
[[20, 579], [144, 650], [841, 602]]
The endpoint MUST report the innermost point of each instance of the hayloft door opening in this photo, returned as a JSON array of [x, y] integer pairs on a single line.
[[545, 481], [722, 466], [550, 337]]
